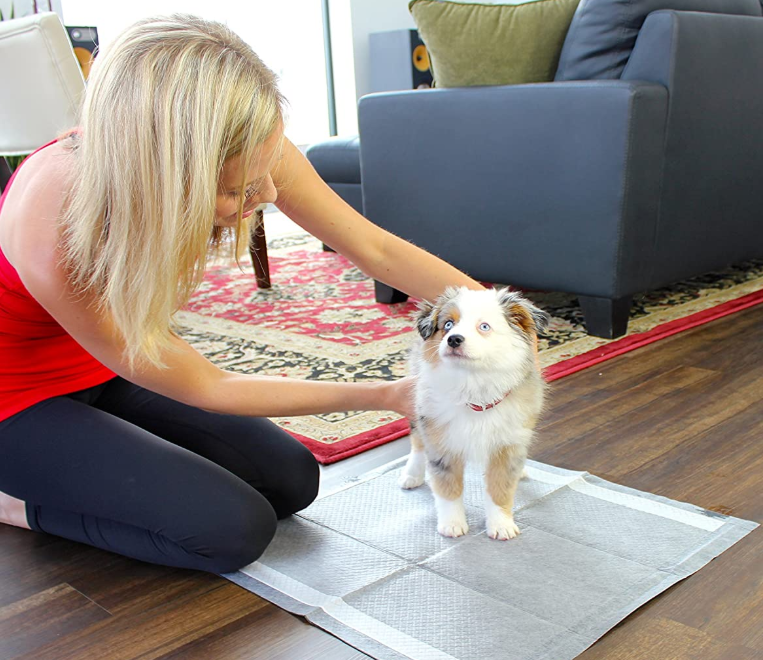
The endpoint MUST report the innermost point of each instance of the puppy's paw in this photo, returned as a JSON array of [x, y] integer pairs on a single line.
[[524, 474], [408, 481], [453, 528], [502, 527]]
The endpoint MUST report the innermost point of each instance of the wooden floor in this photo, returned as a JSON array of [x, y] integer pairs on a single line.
[[681, 418]]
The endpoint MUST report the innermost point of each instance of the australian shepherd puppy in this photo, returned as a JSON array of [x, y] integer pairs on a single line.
[[479, 393]]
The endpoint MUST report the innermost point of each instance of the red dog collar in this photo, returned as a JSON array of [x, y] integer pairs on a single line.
[[487, 406]]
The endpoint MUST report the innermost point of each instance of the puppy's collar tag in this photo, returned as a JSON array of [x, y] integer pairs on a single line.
[[487, 406]]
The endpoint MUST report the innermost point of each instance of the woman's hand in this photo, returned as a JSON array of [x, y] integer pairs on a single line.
[[401, 397]]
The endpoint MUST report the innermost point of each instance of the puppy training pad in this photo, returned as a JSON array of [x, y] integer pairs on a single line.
[[366, 563]]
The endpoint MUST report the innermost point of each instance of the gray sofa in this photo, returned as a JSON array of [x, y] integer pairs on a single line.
[[639, 166]]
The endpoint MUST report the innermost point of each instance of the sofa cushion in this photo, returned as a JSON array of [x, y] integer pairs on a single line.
[[336, 159], [603, 32], [488, 44]]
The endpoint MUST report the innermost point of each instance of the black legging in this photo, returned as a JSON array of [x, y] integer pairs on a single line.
[[129, 471]]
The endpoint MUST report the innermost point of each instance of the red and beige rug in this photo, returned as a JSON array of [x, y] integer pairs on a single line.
[[320, 321]]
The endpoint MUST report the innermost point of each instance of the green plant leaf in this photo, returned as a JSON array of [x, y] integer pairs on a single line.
[[11, 16], [14, 161]]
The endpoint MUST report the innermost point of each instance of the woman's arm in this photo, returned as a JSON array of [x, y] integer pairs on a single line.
[[192, 379], [30, 240], [306, 199]]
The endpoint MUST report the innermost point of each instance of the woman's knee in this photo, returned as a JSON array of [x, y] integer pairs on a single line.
[[243, 532], [239, 535], [299, 486]]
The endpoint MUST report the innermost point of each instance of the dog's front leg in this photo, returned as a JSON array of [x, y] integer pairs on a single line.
[[503, 473], [412, 475], [447, 482]]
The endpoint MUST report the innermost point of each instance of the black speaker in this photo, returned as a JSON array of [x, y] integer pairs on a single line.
[[399, 60], [85, 43]]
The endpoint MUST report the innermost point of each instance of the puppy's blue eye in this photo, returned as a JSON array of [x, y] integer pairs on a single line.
[[448, 325], [484, 327]]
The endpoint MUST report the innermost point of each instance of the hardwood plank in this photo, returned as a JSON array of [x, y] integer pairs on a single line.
[[14, 541], [648, 638], [126, 587], [28, 624], [724, 599], [628, 438], [46, 563], [702, 346], [268, 634], [719, 469], [596, 384], [153, 633], [590, 415]]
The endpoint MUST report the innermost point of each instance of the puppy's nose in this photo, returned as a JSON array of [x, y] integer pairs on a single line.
[[454, 341]]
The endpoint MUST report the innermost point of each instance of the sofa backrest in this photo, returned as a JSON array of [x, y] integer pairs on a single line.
[[602, 33], [711, 210]]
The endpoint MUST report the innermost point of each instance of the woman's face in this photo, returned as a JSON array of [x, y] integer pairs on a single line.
[[259, 184]]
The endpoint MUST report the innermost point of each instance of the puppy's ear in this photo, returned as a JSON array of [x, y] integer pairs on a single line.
[[541, 318], [520, 311], [426, 319]]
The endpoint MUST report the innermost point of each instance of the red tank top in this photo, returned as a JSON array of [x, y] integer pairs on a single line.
[[38, 359]]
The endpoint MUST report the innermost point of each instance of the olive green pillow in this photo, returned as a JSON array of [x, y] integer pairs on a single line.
[[481, 44]]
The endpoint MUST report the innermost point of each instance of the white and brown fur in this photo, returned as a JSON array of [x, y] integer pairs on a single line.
[[496, 354]]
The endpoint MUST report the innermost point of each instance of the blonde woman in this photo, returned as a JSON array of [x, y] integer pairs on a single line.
[[114, 431]]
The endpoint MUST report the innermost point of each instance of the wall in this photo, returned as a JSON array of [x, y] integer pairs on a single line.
[[294, 52], [287, 35], [342, 47], [352, 21], [374, 16]]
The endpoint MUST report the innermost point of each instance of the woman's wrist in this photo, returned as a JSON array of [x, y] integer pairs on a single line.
[[396, 395], [380, 396]]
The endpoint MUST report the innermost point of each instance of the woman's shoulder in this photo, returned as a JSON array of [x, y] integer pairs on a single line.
[[48, 168], [35, 198]]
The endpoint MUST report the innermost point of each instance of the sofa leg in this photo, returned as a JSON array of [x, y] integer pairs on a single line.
[[605, 317], [386, 294]]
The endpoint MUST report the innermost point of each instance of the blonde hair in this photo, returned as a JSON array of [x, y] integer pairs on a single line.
[[166, 105]]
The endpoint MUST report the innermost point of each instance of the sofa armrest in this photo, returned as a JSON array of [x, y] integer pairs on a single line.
[[512, 184], [712, 66]]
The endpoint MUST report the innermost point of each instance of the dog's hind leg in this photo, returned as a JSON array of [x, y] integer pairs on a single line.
[[501, 479], [412, 475]]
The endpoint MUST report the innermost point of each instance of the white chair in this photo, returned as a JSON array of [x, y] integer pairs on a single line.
[[42, 84]]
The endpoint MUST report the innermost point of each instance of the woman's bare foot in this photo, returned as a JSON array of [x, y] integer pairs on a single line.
[[13, 511]]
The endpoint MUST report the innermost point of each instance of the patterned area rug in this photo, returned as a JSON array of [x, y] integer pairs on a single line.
[[319, 321]]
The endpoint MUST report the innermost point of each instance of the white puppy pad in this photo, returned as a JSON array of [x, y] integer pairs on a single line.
[[367, 564]]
